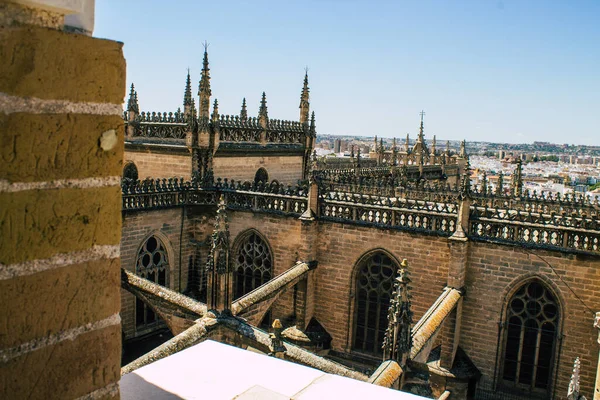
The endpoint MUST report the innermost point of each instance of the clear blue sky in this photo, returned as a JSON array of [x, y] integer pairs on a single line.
[[504, 71]]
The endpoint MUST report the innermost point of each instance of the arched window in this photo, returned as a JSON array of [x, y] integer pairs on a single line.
[[153, 264], [261, 176], [130, 171], [252, 264], [374, 286], [532, 320]]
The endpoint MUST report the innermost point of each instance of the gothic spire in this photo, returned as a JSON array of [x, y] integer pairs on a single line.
[[304, 100], [132, 102], [187, 96], [313, 127], [447, 147], [433, 144], [375, 144], [244, 111], [406, 144], [421, 128], [262, 111], [394, 153], [397, 341], [204, 86]]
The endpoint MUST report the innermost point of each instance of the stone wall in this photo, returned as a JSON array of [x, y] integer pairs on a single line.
[[285, 169], [494, 270], [160, 165], [60, 220], [138, 226], [339, 249]]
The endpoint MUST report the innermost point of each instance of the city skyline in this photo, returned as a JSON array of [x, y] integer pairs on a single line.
[[482, 71]]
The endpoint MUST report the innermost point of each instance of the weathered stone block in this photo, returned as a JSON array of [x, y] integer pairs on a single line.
[[50, 64], [58, 146], [40, 223], [66, 370], [55, 300]]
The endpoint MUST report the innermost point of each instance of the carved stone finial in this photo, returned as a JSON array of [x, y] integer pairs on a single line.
[[500, 184], [244, 111], [277, 347], [573, 392], [262, 111], [518, 179], [484, 182], [215, 113], [220, 279], [132, 102], [406, 144], [466, 182], [313, 126], [397, 341]]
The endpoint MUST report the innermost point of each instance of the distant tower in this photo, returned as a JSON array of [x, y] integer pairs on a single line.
[[406, 144], [204, 88], [463, 149], [304, 101]]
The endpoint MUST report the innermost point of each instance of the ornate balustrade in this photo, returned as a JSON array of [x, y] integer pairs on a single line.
[[173, 192], [535, 229], [564, 223], [393, 213], [158, 125], [232, 128]]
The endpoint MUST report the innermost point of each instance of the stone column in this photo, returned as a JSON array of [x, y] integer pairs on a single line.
[[61, 96]]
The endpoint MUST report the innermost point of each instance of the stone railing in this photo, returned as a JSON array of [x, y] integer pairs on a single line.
[[392, 213], [564, 223], [552, 222], [232, 128], [174, 192], [157, 125]]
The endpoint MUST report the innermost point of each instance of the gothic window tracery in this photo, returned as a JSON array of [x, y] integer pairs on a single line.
[[532, 323], [153, 264], [374, 286], [252, 264]]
